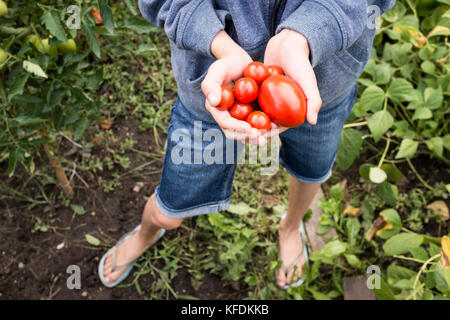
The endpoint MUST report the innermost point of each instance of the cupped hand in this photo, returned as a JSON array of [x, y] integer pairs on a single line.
[[290, 51], [222, 72]]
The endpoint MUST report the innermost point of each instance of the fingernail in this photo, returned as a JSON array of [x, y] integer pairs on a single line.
[[213, 99]]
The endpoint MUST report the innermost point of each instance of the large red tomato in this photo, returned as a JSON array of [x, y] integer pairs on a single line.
[[246, 90], [241, 110], [257, 71], [283, 101], [259, 120]]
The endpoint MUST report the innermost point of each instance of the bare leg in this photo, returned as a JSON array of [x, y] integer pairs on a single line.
[[300, 198], [152, 222]]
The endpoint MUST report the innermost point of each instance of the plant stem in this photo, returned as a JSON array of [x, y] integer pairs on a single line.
[[385, 151], [355, 124], [422, 269], [418, 175]]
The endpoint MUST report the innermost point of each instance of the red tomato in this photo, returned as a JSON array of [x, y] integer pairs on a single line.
[[259, 120], [275, 70], [227, 100], [95, 140], [246, 90], [257, 71], [97, 16], [106, 124], [241, 110], [283, 101]]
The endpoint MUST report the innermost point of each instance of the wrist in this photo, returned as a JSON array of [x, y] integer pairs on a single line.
[[224, 46], [294, 39]]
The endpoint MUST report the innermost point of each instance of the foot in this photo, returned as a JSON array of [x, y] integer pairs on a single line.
[[128, 251], [291, 245]]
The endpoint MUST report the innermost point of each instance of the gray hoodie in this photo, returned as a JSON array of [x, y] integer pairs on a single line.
[[339, 32]]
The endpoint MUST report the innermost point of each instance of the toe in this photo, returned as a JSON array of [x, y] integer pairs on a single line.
[[281, 278]]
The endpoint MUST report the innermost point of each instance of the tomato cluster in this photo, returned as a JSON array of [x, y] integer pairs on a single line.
[[263, 95]]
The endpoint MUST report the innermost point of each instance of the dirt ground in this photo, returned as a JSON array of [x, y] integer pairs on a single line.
[[33, 266]]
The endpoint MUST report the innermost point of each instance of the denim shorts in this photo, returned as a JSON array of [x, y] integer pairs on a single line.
[[200, 162]]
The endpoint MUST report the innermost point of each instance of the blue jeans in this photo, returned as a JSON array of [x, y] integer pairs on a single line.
[[199, 165]]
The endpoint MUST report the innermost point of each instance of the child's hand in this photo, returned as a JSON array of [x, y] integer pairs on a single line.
[[230, 64], [290, 50]]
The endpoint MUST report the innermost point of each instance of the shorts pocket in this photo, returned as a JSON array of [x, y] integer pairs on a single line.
[[349, 62]]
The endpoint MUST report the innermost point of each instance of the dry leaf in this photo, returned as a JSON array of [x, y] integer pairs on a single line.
[[440, 208], [352, 211]]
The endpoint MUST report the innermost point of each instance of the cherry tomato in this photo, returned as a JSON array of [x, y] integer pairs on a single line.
[[283, 101], [95, 140], [246, 90], [98, 17], [106, 124], [227, 100], [259, 120], [241, 110], [275, 70], [257, 71]]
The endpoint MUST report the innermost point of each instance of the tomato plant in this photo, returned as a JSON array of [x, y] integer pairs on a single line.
[[246, 90], [283, 101], [227, 99], [259, 120], [257, 71], [241, 110]]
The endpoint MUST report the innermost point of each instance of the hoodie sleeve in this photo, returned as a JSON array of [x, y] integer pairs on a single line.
[[190, 24], [331, 25]]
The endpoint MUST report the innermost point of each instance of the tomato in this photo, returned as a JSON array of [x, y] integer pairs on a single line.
[[227, 100], [3, 56], [44, 47], [3, 9], [259, 120], [275, 70], [257, 71], [95, 140], [241, 110], [246, 90], [106, 124], [98, 17], [283, 101], [67, 47]]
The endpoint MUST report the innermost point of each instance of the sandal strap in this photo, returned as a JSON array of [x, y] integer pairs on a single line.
[[115, 267], [293, 264]]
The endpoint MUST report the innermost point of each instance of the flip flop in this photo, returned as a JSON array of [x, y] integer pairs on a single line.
[[129, 265], [285, 269]]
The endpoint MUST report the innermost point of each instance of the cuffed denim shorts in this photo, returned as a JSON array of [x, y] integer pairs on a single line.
[[199, 167]]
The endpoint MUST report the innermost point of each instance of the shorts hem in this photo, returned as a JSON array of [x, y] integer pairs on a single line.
[[210, 207], [305, 179]]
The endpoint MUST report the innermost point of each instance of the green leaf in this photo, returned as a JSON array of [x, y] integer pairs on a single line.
[[379, 123], [12, 161], [107, 15], [428, 67], [436, 144], [240, 208], [131, 6], [393, 173], [419, 253], [383, 292], [18, 85], [34, 69], [383, 73], [422, 113], [80, 128], [92, 240], [377, 175], [402, 243], [349, 147], [407, 149], [447, 141], [364, 170], [78, 209], [91, 38], [433, 98], [388, 193], [372, 98], [401, 90], [53, 25], [353, 260]]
